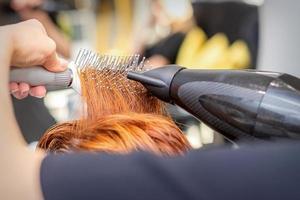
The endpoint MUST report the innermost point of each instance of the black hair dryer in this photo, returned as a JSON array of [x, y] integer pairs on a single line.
[[236, 103]]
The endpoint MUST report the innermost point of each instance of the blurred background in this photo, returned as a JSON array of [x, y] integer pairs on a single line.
[[202, 34]]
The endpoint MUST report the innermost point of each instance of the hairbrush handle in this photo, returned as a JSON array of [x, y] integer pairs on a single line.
[[35, 76]]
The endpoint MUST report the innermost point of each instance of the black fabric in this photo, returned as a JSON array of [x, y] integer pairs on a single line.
[[167, 47], [33, 117], [266, 171]]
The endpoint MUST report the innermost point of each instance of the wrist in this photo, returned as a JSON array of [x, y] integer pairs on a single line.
[[11, 133]]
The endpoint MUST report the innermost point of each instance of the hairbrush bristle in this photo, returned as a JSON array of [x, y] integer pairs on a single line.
[[89, 59], [109, 71]]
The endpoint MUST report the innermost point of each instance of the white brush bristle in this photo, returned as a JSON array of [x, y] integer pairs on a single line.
[[107, 65], [89, 59]]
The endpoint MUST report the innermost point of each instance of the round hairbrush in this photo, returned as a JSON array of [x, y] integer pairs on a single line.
[[85, 59]]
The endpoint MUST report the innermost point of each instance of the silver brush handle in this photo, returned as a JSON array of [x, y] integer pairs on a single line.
[[35, 76]]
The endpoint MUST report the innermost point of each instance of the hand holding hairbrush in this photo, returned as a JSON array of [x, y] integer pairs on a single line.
[[69, 78]]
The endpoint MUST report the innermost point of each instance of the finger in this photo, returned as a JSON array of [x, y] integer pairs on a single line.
[[16, 95], [38, 91], [52, 61], [23, 90], [19, 95], [55, 64], [13, 87]]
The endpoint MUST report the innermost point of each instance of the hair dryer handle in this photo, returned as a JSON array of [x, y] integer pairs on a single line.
[[36, 76]]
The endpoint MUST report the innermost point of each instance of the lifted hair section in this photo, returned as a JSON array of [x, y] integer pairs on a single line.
[[120, 116], [110, 92]]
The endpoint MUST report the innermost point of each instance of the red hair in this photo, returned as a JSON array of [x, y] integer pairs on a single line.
[[120, 116]]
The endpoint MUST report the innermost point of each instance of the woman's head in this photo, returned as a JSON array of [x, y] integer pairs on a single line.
[[119, 116]]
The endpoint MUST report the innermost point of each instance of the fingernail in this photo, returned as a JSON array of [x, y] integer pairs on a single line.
[[14, 91], [23, 95], [40, 97]]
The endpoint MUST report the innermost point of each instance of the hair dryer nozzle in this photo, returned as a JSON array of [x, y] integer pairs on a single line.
[[146, 80], [157, 81]]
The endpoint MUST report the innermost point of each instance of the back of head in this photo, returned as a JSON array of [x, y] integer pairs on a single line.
[[119, 116], [118, 133]]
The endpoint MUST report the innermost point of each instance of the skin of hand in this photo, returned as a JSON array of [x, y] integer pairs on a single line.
[[24, 44], [23, 4], [24, 59]]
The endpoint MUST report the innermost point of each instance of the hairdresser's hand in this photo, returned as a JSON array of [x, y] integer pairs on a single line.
[[18, 5], [31, 46]]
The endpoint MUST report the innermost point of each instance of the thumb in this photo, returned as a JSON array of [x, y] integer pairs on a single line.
[[55, 64]]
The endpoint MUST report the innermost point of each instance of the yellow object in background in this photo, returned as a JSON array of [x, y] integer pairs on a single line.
[[104, 24], [124, 18], [114, 26], [239, 55], [212, 53], [196, 52], [191, 45]]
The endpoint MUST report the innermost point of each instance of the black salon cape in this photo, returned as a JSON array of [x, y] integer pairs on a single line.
[[254, 172]]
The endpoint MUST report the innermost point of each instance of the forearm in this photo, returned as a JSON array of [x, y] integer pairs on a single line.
[[10, 138], [19, 169]]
